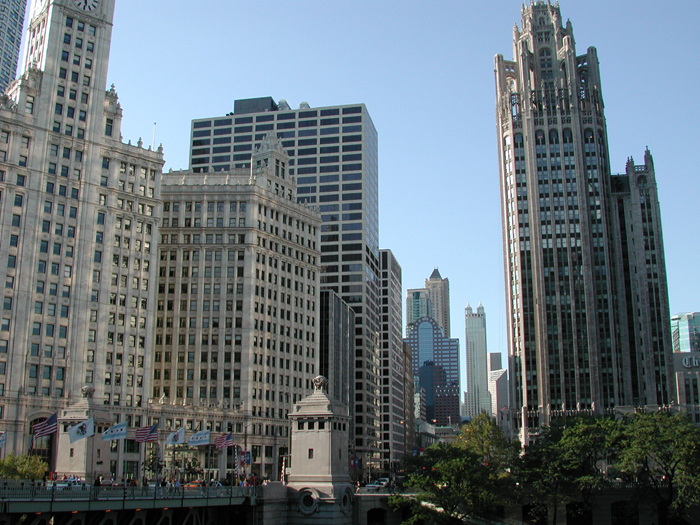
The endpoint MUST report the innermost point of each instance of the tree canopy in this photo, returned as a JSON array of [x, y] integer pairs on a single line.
[[657, 453], [22, 467], [467, 478]]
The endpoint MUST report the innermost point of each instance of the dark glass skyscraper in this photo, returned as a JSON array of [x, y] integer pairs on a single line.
[[585, 274], [435, 360]]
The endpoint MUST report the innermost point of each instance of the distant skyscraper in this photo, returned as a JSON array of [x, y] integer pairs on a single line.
[[436, 363], [333, 157], [477, 397], [11, 22], [394, 400], [418, 304], [685, 330], [439, 293], [431, 301], [498, 388], [586, 287]]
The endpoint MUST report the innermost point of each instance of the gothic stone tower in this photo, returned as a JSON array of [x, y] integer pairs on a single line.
[[569, 273]]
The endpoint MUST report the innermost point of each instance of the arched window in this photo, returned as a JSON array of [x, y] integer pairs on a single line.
[[583, 84], [567, 136], [553, 137], [539, 138]]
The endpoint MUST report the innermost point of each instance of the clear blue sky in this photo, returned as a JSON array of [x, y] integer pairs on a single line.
[[425, 71]]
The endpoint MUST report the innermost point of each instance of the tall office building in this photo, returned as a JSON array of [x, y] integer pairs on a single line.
[[431, 301], [11, 23], [395, 405], [685, 331], [80, 213], [439, 293], [238, 306], [477, 398], [435, 360], [418, 304], [585, 274], [333, 156]]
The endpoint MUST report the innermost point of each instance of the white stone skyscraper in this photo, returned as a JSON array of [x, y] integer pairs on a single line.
[[477, 397], [586, 293], [80, 220], [238, 309]]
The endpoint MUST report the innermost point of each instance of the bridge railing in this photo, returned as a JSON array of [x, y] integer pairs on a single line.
[[41, 492]]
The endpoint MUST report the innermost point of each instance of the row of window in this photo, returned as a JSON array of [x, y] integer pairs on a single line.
[[328, 112], [211, 206], [196, 222], [207, 322], [209, 255]]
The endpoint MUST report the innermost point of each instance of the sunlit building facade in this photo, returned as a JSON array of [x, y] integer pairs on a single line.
[[237, 309], [80, 214]]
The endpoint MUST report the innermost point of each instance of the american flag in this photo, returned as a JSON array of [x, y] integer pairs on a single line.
[[49, 426], [225, 440], [144, 434]]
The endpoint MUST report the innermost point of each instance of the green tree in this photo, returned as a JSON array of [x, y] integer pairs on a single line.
[[662, 453], [22, 467], [543, 475], [468, 478], [483, 437], [586, 446], [568, 463]]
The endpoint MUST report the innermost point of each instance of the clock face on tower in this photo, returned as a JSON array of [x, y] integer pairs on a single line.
[[86, 5]]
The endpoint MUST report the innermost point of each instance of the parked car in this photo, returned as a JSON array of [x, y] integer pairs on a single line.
[[382, 482]]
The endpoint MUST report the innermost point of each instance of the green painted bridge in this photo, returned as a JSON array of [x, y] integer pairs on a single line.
[[28, 503]]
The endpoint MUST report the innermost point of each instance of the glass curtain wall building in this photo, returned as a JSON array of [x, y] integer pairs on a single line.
[[11, 22]]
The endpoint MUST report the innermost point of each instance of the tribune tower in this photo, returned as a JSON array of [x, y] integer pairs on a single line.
[[585, 275]]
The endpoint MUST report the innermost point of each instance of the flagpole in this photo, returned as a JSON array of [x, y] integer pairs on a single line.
[[92, 457]]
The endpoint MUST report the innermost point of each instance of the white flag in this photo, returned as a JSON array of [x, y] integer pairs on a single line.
[[116, 432], [82, 430], [176, 438], [200, 438]]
